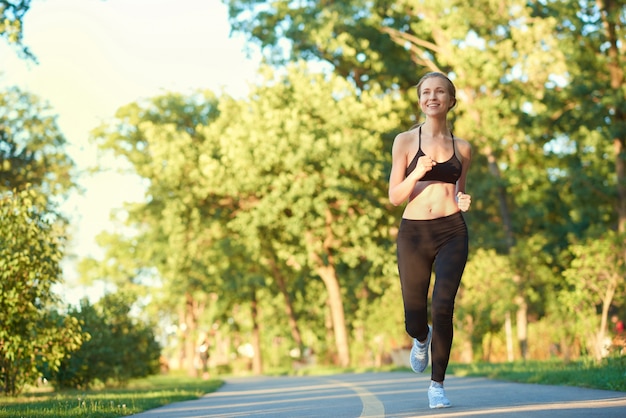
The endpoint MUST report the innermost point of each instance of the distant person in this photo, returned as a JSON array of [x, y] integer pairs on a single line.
[[429, 170], [203, 355], [618, 325]]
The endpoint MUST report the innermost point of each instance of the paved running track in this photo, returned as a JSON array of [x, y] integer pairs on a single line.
[[391, 394]]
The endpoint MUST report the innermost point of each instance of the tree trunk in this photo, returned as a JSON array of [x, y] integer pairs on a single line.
[[505, 212], [193, 310], [325, 268], [182, 338], [467, 348], [620, 168], [610, 12], [522, 325], [335, 303], [289, 311], [508, 327], [607, 300], [191, 325], [330, 333], [257, 361]]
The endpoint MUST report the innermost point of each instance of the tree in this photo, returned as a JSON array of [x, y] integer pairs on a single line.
[[307, 153], [180, 232], [500, 74], [590, 108], [541, 112], [587, 116], [32, 147], [345, 35], [30, 254], [484, 301], [594, 280], [230, 212], [12, 27]]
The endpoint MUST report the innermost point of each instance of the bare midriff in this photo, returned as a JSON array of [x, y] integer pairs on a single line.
[[431, 200]]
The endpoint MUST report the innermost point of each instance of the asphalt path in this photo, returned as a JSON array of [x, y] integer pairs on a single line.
[[391, 394]]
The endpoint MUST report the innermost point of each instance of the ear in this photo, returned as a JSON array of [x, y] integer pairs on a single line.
[[452, 104]]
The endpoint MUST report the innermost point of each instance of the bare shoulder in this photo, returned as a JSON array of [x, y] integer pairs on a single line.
[[405, 136], [404, 139]]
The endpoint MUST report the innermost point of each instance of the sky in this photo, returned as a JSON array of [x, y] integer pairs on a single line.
[[95, 56]]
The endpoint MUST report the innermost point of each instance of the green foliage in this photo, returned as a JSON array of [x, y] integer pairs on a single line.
[[585, 115], [308, 153], [288, 186], [486, 291], [11, 25], [119, 347], [162, 140], [306, 159], [301, 149], [345, 35], [181, 240], [30, 333], [596, 271], [32, 147], [593, 283]]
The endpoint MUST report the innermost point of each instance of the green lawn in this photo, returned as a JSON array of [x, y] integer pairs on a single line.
[[156, 391], [140, 395], [609, 375]]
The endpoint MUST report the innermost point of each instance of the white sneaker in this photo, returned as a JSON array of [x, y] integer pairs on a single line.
[[419, 353], [437, 398]]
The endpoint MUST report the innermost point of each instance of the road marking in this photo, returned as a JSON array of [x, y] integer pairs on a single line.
[[372, 407], [560, 408]]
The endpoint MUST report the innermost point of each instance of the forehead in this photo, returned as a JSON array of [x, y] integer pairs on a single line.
[[434, 83]]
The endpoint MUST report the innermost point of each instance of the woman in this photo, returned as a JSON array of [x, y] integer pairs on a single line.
[[429, 170]]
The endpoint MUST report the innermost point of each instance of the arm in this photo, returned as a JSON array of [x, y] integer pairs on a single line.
[[400, 188], [464, 200]]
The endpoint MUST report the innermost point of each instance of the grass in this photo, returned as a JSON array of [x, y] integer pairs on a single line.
[[608, 375], [155, 391], [138, 396]]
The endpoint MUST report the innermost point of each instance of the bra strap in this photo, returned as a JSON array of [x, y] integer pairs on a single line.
[[419, 147]]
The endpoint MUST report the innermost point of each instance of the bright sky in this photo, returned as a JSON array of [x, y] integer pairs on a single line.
[[96, 56]]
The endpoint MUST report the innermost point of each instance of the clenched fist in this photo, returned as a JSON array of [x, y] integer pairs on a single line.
[[425, 164], [463, 201]]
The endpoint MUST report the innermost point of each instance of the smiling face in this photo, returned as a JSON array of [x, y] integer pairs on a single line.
[[436, 94]]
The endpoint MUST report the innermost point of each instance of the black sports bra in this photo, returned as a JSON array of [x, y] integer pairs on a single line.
[[447, 172]]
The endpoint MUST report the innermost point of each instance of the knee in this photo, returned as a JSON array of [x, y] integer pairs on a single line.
[[415, 324], [412, 329]]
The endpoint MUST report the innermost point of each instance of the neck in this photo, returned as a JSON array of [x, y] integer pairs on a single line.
[[436, 127]]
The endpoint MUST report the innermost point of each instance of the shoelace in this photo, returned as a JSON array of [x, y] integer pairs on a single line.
[[437, 391]]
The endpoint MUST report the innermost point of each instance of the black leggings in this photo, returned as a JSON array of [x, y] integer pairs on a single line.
[[444, 242]]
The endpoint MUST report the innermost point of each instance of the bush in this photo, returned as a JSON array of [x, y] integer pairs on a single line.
[[120, 347]]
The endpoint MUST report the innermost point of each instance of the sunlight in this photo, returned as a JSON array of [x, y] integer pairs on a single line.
[[95, 57]]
